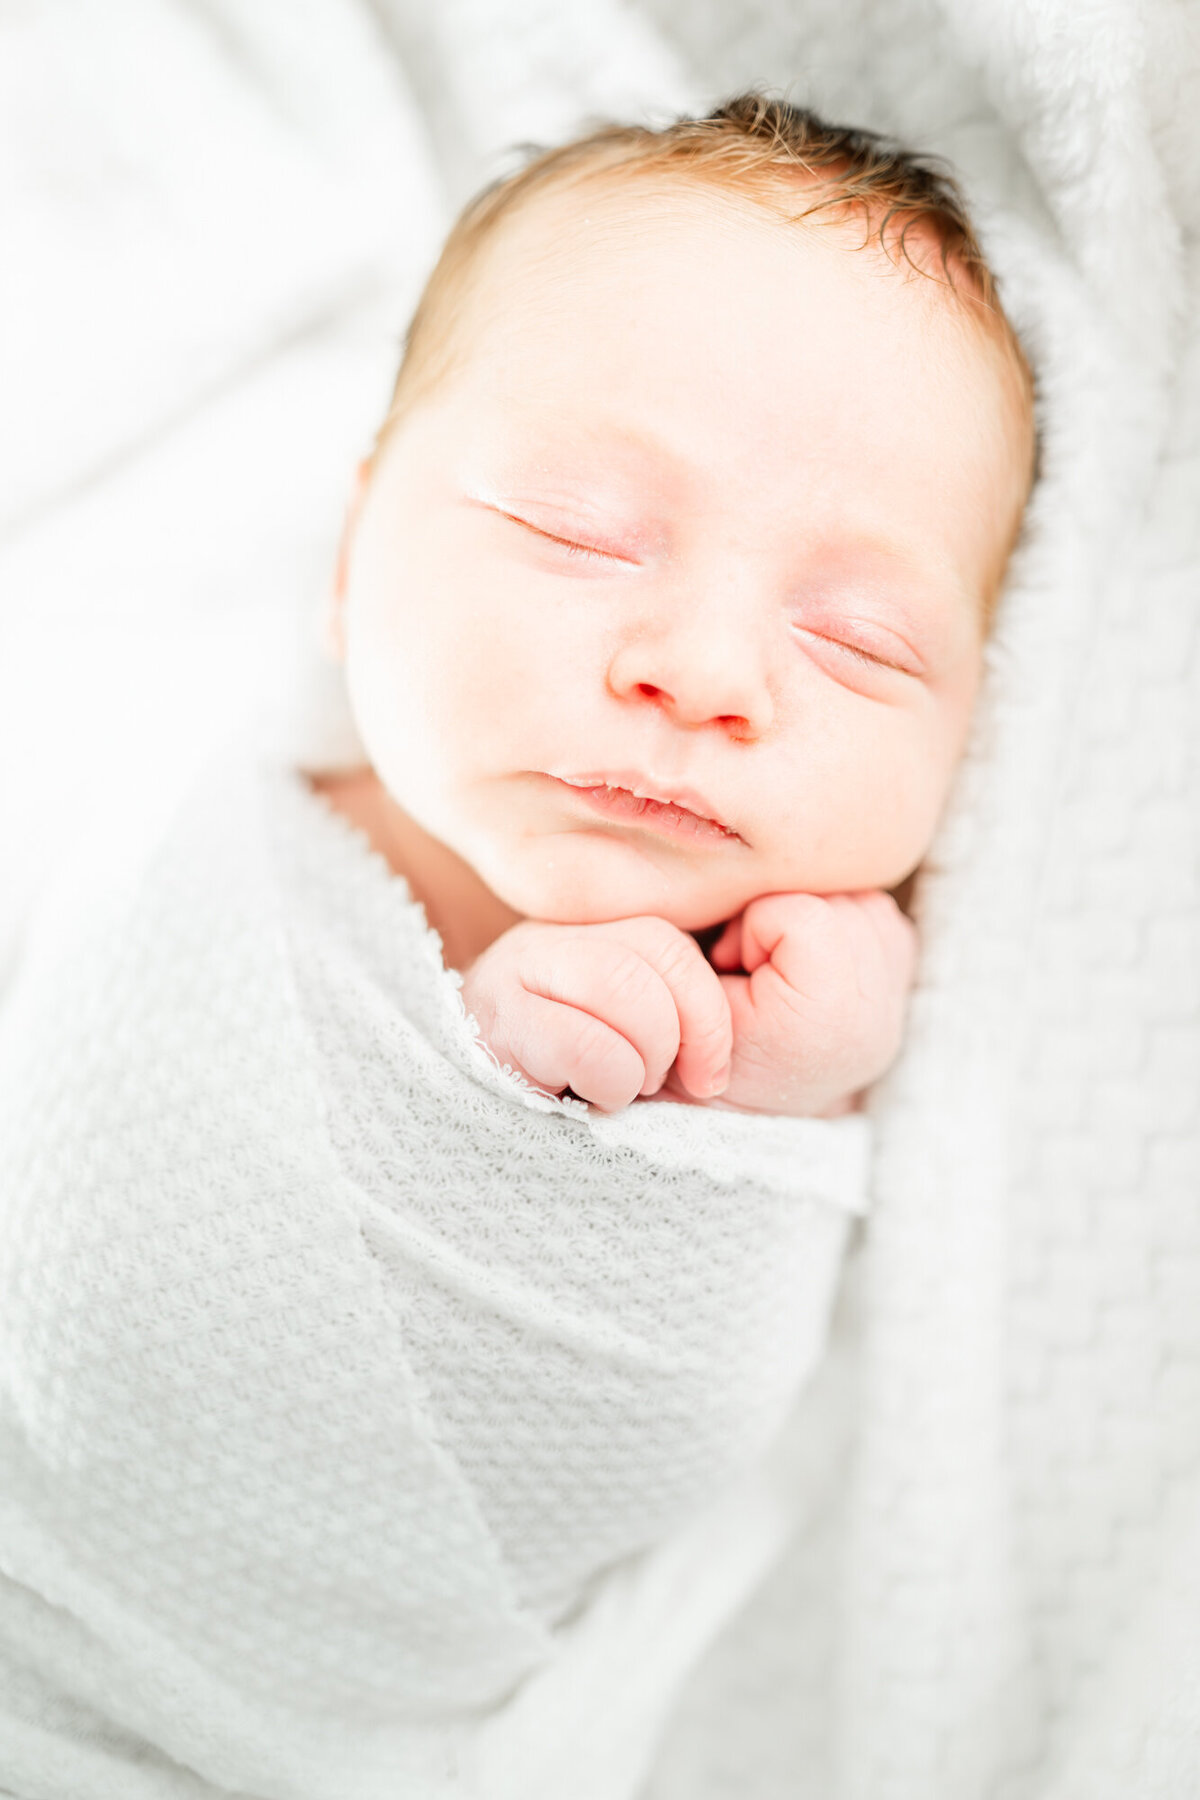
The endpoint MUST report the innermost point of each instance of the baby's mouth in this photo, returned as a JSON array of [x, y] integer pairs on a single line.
[[669, 818]]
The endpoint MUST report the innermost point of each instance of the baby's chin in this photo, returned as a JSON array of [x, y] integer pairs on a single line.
[[572, 880], [581, 879]]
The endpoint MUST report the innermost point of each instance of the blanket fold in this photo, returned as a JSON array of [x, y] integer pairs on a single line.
[[342, 1368]]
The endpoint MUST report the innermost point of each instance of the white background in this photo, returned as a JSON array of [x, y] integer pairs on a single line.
[[213, 225]]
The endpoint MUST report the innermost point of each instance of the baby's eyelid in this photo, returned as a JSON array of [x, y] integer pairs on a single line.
[[573, 546], [857, 650], [849, 648]]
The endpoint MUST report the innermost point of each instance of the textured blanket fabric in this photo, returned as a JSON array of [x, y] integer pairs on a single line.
[[994, 1583], [340, 1366]]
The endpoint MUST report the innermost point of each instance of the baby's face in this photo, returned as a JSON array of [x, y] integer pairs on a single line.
[[708, 512]]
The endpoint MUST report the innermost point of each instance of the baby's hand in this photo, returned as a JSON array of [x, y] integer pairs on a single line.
[[819, 1011], [606, 1010]]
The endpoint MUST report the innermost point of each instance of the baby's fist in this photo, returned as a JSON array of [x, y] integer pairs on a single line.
[[817, 986], [603, 1009]]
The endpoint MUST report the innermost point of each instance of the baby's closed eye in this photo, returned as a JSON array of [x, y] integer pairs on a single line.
[[584, 541], [881, 649]]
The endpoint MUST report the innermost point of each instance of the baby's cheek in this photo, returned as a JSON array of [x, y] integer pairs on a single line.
[[859, 820]]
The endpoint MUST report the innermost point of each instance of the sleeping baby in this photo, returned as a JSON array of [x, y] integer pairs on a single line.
[[663, 597], [429, 1185]]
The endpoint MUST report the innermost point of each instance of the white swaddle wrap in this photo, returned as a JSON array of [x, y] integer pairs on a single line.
[[340, 1367]]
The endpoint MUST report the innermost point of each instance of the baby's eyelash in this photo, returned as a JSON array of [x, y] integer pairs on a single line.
[[862, 655], [571, 547], [854, 650]]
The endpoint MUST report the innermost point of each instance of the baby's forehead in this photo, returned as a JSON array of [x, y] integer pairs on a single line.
[[545, 234], [636, 265], [635, 244]]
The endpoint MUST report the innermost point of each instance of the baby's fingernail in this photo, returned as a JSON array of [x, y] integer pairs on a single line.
[[720, 1080]]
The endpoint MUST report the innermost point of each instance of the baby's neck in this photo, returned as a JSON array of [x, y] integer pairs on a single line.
[[462, 910]]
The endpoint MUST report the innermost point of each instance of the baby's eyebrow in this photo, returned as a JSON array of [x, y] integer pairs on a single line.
[[853, 553], [548, 440]]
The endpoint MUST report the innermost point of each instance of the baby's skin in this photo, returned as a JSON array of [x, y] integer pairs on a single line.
[[807, 1009], [662, 612]]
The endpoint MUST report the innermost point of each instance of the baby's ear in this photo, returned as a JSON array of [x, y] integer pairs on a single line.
[[333, 631]]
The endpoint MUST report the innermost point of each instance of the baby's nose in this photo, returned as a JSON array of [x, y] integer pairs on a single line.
[[700, 669]]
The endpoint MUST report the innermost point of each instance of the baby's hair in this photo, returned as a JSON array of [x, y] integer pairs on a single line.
[[765, 150]]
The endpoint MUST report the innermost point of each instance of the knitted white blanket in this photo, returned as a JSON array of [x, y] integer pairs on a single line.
[[994, 1589], [339, 1367]]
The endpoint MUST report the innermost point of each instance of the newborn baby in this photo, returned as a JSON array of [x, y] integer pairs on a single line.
[[376, 1344], [662, 604]]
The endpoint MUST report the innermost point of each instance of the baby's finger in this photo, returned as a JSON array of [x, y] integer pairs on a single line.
[[705, 1027], [559, 1046], [614, 982], [726, 951], [798, 934]]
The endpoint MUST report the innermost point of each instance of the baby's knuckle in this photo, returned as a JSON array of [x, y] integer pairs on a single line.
[[814, 906], [673, 950], [718, 1030], [596, 1045], [629, 976], [810, 916]]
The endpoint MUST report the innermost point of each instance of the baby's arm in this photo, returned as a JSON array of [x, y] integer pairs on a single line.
[[631, 1007]]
